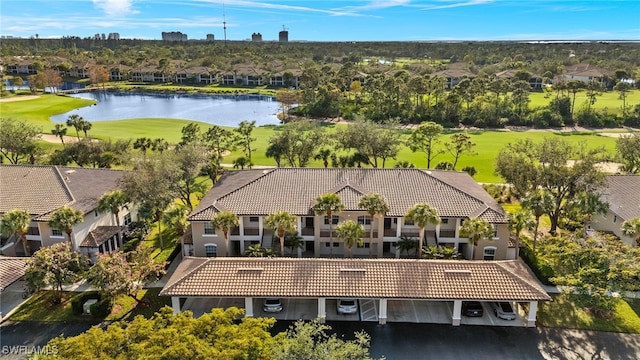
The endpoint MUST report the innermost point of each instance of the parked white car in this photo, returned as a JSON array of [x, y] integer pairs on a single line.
[[272, 305], [503, 310], [347, 306]]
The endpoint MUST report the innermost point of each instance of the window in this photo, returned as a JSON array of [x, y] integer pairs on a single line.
[[408, 222], [615, 219], [495, 231], [489, 253], [209, 230], [334, 219], [445, 221], [33, 230], [210, 250], [56, 233], [336, 244], [365, 245], [254, 219], [127, 219], [364, 220]]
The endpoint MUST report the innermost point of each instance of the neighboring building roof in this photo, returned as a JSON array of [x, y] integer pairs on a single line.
[[622, 192], [511, 73], [262, 192], [11, 270], [454, 73], [41, 189], [587, 70], [358, 278], [99, 236]]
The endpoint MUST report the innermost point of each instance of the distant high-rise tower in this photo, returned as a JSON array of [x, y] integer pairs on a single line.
[[256, 37], [210, 37], [283, 36]]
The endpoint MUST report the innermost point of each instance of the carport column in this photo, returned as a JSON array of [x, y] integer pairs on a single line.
[[457, 310], [531, 319], [175, 304], [382, 318], [248, 307], [322, 310]]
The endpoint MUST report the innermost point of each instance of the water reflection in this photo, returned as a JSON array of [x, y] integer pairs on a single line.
[[225, 110]]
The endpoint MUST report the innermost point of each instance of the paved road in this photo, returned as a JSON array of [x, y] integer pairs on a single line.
[[416, 341], [19, 339]]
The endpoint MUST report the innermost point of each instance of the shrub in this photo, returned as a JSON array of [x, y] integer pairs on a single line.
[[102, 308], [471, 170], [444, 165], [539, 266], [78, 301]]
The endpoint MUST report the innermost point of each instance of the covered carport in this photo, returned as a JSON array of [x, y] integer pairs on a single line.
[[379, 282], [12, 270]]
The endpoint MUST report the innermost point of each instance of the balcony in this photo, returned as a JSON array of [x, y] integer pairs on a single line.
[[447, 234]]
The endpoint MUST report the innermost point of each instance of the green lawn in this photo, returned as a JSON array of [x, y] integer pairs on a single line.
[[607, 100], [40, 307], [489, 142], [562, 313]]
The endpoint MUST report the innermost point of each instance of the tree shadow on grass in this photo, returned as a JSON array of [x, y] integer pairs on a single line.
[[147, 306]]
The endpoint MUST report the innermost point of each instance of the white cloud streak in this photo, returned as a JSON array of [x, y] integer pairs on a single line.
[[115, 7], [452, 4]]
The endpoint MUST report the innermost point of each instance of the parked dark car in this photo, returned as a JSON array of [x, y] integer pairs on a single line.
[[472, 309]]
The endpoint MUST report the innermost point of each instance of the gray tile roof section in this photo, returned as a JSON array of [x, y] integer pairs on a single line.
[[11, 270], [99, 236], [357, 278], [35, 189], [41, 189], [622, 192], [262, 192]]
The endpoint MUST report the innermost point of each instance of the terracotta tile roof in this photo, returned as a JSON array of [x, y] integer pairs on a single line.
[[262, 192], [622, 192], [41, 189], [587, 70], [359, 278], [99, 236], [11, 269]]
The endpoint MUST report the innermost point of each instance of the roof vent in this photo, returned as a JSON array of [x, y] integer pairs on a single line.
[[70, 171], [458, 271], [247, 269], [352, 270]]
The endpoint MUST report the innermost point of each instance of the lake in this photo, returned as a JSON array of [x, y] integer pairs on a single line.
[[224, 110]]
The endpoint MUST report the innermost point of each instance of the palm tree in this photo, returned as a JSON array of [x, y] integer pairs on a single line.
[[241, 163], [16, 222], [75, 120], [520, 220], [373, 204], [422, 214], [328, 205], [224, 221], [281, 222], [143, 144], [293, 242], [64, 219], [113, 201], [589, 204], [60, 131], [351, 233], [631, 228], [476, 229], [176, 218], [85, 126], [405, 244], [539, 202], [324, 155]]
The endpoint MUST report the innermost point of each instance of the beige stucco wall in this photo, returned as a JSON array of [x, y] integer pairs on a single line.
[[605, 223], [199, 239]]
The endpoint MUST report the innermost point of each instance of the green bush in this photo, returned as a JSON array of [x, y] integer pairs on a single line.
[[102, 308], [78, 301], [538, 265]]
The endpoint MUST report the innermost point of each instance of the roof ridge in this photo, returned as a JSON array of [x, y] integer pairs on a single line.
[[168, 286], [64, 185], [428, 172], [518, 263]]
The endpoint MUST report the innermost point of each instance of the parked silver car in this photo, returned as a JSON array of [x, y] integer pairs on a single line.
[[503, 310], [272, 305], [347, 306]]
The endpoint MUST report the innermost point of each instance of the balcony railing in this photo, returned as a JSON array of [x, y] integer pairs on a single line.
[[447, 233]]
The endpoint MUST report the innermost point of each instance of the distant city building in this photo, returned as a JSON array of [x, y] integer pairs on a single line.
[[174, 36], [256, 37], [283, 36], [114, 36], [210, 37]]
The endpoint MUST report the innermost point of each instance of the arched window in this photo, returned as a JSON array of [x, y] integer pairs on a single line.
[[210, 250], [489, 253]]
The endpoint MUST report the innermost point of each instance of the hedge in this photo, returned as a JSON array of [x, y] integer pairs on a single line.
[[538, 265]]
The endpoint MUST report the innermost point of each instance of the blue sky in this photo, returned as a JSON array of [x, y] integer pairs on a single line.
[[315, 20]]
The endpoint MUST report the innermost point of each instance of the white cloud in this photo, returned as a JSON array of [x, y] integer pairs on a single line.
[[115, 7], [454, 4]]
